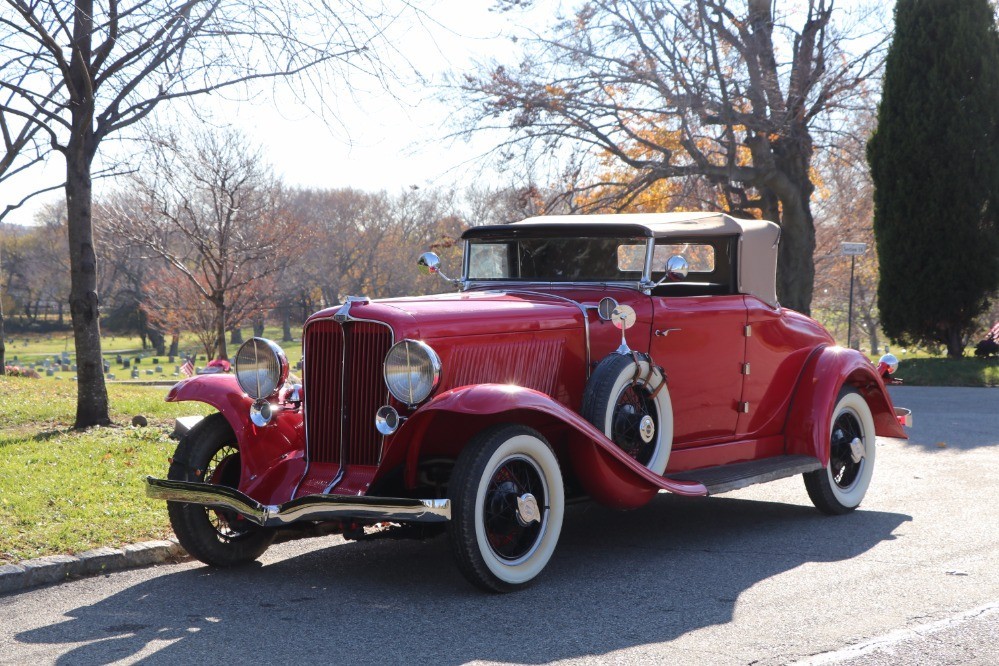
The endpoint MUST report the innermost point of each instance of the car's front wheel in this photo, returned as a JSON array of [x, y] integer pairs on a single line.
[[507, 507], [208, 453], [840, 487]]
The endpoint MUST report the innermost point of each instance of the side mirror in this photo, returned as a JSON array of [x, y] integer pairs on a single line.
[[429, 263], [676, 268]]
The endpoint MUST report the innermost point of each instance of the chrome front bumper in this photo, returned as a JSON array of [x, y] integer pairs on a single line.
[[309, 508]]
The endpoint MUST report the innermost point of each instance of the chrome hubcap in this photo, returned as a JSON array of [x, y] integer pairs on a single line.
[[527, 510], [647, 428]]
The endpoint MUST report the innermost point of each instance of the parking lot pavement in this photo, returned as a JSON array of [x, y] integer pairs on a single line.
[[755, 576]]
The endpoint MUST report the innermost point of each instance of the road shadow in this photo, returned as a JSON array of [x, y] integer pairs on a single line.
[[617, 580]]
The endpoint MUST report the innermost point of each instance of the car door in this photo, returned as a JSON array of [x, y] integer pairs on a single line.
[[700, 343]]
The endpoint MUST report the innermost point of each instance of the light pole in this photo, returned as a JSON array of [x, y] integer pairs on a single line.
[[852, 250]]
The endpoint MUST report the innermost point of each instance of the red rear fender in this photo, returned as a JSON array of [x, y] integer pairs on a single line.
[[443, 426], [271, 456], [825, 374]]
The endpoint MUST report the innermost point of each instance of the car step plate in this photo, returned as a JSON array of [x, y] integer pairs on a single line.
[[724, 478]]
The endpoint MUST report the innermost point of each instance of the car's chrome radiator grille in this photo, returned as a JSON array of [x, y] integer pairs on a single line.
[[343, 390]]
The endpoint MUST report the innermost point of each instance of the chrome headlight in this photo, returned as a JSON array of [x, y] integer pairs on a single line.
[[412, 371], [261, 367]]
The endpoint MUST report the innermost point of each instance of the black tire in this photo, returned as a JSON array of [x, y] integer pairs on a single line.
[[208, 453], [841, 485], [615, 404], [497, 546]]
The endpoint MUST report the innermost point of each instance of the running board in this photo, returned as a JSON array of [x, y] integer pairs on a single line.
[[724, 478]]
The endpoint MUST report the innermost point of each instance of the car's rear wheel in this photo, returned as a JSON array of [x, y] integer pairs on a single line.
[[507, 507], [208, 453], [626, 406], [841, 485]]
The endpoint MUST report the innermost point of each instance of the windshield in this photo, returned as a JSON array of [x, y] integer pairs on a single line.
[[557, 259]]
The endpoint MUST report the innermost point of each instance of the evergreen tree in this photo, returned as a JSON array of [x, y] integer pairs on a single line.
[[935, 164]]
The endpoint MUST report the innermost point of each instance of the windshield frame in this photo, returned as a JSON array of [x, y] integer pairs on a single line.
[[643, 284]]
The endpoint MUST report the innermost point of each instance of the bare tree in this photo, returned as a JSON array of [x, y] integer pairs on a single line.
[[727, 91], [212, 211], [79, 72]]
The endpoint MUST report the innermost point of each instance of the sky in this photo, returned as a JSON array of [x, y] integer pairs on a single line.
[[376, 138]]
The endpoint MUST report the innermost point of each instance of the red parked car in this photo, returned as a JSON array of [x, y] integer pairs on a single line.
[[606, 356]]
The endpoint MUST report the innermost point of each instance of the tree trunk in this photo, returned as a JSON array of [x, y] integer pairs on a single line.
[[872, 335], [285, 326], [92, 396], [158, 341], [61, 318], [258, 328], [791, 183], [220, 350], [174, 344], [3, 347], [235, 336], [955, 342]]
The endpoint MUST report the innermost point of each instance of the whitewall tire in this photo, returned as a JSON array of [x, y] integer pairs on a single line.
[[841, 486], [508, 503]]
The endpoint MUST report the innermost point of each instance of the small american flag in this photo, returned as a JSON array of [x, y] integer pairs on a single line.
[[188, 368], [994, 333]]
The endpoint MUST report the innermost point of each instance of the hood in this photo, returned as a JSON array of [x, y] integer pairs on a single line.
[[467, 313]]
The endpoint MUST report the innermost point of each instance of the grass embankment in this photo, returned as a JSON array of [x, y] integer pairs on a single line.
[[63, 491], [949, 372]]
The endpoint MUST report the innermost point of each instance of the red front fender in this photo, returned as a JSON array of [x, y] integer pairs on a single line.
[[272, 456], [810, 416], [606, 473]]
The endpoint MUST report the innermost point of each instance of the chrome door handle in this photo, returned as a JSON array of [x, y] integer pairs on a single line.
[[662, 333]]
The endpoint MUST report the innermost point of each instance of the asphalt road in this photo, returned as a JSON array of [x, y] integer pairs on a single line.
[[753, 577]]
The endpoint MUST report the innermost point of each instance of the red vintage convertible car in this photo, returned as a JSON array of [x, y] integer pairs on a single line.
[[608, 356]]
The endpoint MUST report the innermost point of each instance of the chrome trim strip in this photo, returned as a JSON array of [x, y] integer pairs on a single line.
[[505, 285], [308, 508], [650, 251]]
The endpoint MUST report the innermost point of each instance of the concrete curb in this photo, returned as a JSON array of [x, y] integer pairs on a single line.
[[59, 568]]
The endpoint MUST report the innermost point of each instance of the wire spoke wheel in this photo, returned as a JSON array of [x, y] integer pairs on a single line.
[[619, 401], [844, 470], [209, 454], [508, 502], [840, 486], [510, 537], [223, 470], [634, 411]]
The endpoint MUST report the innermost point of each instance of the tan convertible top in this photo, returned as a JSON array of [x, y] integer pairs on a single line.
[[757, 254]]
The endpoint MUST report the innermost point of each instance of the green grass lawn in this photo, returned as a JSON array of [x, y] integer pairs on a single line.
[[968, 371], [63, 491]]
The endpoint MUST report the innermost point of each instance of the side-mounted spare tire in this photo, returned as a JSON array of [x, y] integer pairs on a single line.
[[630, 403]]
